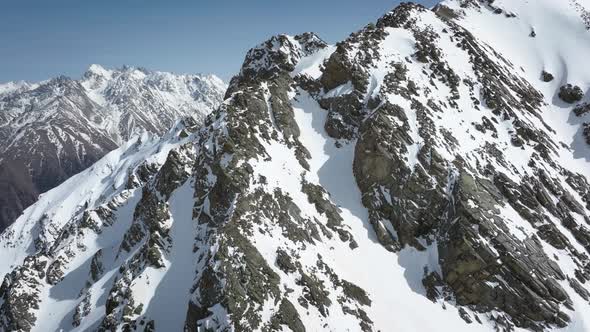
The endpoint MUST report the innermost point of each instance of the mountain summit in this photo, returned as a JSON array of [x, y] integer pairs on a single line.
[[427, 173], [54, 129]]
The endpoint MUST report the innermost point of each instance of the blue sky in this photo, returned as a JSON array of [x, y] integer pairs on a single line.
[[40, 39]]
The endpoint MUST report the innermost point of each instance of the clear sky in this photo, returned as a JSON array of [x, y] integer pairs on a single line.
[[40, 39]]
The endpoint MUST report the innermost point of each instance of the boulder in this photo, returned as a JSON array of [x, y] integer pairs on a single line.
[[546, 76], [570, 93]]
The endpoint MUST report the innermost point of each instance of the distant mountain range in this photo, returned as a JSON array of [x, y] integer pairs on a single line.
[[54, 129]]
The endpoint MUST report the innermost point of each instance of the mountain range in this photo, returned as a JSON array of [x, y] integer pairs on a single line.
[[427, 173], [54, 129]]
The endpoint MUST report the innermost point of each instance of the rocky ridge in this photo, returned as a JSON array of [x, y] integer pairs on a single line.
[[423, 164]]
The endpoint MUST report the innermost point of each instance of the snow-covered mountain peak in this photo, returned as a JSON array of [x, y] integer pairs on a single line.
[[96, 77], [9, 87], [280, 52], [98, 70]]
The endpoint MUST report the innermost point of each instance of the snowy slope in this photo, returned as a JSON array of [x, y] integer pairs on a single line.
[[54, 129], [422, 175], [558, 47]]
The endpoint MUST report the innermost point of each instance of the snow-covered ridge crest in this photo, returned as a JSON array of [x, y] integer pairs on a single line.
[[90, 201], [108, 178]]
